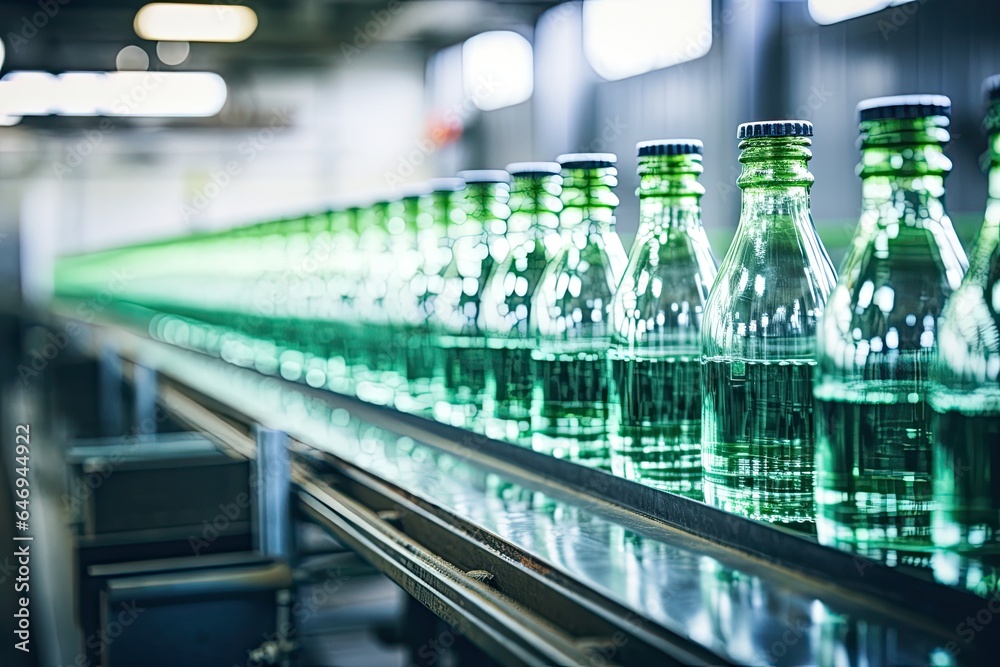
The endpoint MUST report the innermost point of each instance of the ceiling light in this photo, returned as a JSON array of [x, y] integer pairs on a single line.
[[177, 22], [497, 69], [826, 12], [160, 94], [623, 38]]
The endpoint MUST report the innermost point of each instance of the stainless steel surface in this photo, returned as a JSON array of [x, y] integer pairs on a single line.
[[272, 475]]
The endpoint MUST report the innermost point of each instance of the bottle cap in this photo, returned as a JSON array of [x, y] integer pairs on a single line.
[[484, 176], [775, 128], [445, 184], [533, 168], [669, 147], [587, 160], [903, 107]]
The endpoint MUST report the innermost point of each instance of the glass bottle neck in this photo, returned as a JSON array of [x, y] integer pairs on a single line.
[[535, 205], [903, 160], [438, 210], [775, 182], [989, 235], [411, 213], [993, 156], [486, 208], [669, 194], [588, 199]]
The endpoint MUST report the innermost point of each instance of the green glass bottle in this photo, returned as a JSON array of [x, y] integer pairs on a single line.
[[343, 281], [877, 342], [965, 402], [301, 290], [759, 336], [571, 316], [478, 244], [438, 212], [401, 307], [505, 317], [655, 355], [364, 327], [385, 360]]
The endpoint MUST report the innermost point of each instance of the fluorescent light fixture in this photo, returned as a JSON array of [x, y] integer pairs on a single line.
[[497, 69], [623, 38], [826, 12], [179, 22], [3, 53], [154, 94]]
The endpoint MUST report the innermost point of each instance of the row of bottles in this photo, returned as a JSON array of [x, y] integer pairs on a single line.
[[503, 302]]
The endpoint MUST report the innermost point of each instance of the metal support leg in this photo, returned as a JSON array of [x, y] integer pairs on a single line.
[[272, 476], [144, 412], [111, 405]]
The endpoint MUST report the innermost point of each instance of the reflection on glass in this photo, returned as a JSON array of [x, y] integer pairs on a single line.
[[371, 315], [437, 212], [877, 341], [479, 244], [655, 356], [965, 403], [386, 362], [759, 336], [339, 268], [571, 313], [505, 318]]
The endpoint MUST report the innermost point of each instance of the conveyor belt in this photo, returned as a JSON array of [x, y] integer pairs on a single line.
[[546, 562]]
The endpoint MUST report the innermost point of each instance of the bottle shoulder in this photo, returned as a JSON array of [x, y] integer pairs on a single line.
[[576, 289], [892, 290], [770, 293], [661, 298], [969, 338], [510, 290]]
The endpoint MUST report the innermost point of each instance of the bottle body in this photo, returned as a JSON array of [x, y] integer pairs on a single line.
[[386, 375], [533, 236], [759, 342], [877, 344], [479, 245], [570, 320], [341, 289], [368, 324], [654, 362], [437, 212], [965, 408]]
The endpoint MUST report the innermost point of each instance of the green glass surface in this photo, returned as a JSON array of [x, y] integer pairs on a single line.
[[965, 408], [877, 344], [570, 322], [437, 212], [655, 355], [385, 361], [479, 244], [505, 318], [759, 342], [341, 269]]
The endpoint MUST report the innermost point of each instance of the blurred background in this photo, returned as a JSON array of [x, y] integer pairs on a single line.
[[302, 104], [122, 122]]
